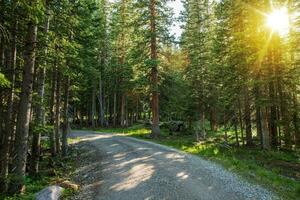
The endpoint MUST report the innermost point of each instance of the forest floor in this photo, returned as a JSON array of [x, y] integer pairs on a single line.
[[116, 167], [279, 171]]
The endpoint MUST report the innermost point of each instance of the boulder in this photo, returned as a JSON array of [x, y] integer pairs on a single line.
[[50, 193]]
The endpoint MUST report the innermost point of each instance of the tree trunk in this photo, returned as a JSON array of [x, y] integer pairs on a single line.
[[137, 109], [241, 123], [115, 109], [40, 111], [296, 121], [57, 112], [10, 105], [93, 107], [101, 104], [154, 72], [258, 116], [285, 115], [52, 103], [123, 102], [213, 120], [235, 123], [273, 117], [22, 128], [265, 130], [249, 141], [66, 116]]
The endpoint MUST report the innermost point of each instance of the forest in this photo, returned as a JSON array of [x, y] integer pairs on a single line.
[[102, 64]]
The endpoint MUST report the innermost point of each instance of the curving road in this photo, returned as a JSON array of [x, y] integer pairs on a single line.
[[132, 169]]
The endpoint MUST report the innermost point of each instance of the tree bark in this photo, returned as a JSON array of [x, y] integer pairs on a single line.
[[247, 118], [52, 103], [40, 111], [154, 71], [57, 112], [93, 106], [9, 126], [265, 131], [66, 121], [296, 121], [123, 118], [213, 120], [258, 116], [273, 116], [24, 110], [101, 104], [115, 109], [241, 123]]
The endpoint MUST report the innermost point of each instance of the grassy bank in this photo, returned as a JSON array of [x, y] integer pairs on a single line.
[[276, 170]]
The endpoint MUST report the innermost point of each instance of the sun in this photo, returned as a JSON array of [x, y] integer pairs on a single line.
[[278, 21]]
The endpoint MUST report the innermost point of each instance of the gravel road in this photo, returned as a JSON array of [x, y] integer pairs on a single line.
[[125, 168]]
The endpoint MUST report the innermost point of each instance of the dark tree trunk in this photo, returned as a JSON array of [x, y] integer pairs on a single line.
[[57, 112], [52, 103], [235, 123], [273, 117], [115, 110], [285, 115], [296, 121], [258, 115], [65, 117], [213, 120], [40, 110], [9, 126], [93, 114], [101, 103], [265, 131], [241, 123], [247, 113], [22, 128], [123, 117]]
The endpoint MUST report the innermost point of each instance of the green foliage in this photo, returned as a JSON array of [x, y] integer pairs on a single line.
[[3, 81]]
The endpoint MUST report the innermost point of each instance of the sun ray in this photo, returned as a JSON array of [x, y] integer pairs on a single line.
[[265, 48]]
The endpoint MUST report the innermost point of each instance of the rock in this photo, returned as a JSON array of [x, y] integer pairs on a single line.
[[50, 193]]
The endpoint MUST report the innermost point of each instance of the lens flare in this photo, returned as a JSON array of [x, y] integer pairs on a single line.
[[278, 21]]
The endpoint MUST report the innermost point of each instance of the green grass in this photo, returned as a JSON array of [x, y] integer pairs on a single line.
[[255, 165]]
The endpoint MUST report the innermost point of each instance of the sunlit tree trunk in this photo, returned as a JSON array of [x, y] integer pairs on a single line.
[[154, 71]]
